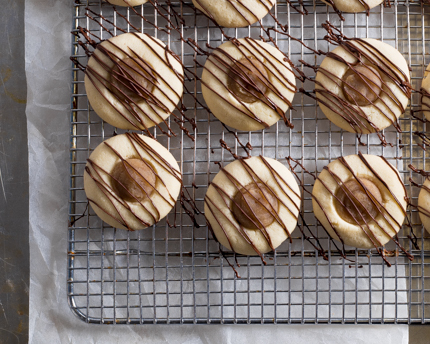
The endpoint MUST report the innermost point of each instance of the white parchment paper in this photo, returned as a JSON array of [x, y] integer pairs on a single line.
[[48, 25]]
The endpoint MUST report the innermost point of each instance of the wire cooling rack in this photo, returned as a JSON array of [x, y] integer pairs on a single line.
[[177, 274]]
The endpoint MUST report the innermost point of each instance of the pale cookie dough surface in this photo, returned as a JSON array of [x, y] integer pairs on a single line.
[[424, 205], [226, 107], [235, 13], [353, 234], [354, 6], [104, 200], [127, 3], [376, 113], [168, 91], [222, 219], [425, 100]]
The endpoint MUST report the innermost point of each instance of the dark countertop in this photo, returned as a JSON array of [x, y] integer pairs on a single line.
[[14, 238]]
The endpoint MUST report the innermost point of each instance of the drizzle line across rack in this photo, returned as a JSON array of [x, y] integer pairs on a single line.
[[178, 275]]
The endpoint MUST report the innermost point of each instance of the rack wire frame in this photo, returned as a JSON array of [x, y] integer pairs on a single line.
[[177, 275]]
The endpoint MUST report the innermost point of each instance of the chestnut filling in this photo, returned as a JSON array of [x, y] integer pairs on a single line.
[[247, 79], [130, 78], [362, 85], [137, 179], [253, 206], [355, 200]]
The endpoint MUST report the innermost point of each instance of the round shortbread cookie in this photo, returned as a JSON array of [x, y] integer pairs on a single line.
[[424, 204], [278, 82], [353, 6], [425, 89], [235, 13], [133, 81], [107, 202], [388, 210], [220, 203], [127, 3], [375, 68]]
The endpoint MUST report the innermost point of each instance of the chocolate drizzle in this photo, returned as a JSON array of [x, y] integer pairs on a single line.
[[425, 140], [101, 178], [226, 207], [365, 55], [388, 226]]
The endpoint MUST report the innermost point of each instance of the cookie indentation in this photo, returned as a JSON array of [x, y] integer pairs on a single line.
[[254, 206], [362, 85], [130, 79], [357, 201], [133, 179], [246, 79]]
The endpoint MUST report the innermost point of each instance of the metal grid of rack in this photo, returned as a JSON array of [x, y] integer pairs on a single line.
[[178, 275]]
